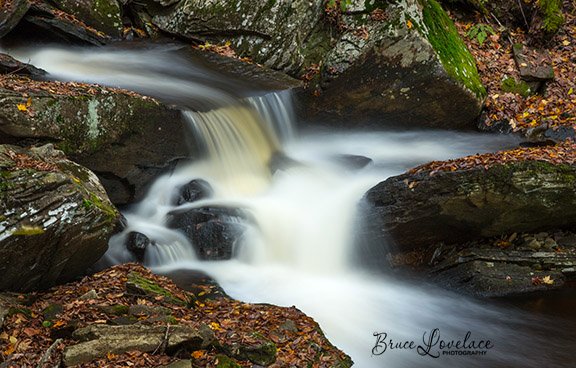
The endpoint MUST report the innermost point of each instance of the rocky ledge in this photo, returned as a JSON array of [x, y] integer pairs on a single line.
[[126, 314], [439, 216]]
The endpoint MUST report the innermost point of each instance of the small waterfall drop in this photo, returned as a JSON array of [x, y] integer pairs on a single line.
[[300, 215]]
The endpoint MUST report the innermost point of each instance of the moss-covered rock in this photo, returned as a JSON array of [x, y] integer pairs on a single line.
[[47, 234], [92, 124], [140, 285], [403, 65], [419, 210]]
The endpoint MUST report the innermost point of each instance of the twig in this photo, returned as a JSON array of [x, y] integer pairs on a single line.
[[523, 15], [501, 26], [48, 353], [162, 346]]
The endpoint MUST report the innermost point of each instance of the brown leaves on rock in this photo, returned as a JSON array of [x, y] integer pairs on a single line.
[[28, 334], [23, 161], [26, 86], [564, 153]]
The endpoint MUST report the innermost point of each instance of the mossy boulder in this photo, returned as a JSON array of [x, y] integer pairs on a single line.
[[408, 68], [415, 211], [102, 15], [91, 125], [56, 218], [393, 63]]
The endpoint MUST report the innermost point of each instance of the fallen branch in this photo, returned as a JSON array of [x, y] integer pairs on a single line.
[[48, 353], [162, 346]]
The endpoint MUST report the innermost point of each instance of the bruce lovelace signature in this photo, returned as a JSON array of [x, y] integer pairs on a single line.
[[433, 345]]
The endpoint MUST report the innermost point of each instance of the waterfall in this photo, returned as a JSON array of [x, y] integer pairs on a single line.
[[298, 195]]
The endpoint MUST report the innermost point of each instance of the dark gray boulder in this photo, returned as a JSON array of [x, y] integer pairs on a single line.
[[419, 210], [213, 231], [55, 218], [193, 191], [137, 243]]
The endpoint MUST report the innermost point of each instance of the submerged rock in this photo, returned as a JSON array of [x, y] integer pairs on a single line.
[[214, 231], [193, 191], [55, 218], [126, 138], [399, 63], [137, 243]]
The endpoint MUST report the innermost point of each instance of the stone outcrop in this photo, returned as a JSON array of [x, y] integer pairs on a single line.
[[11, 13], [98, 340], [399, 63], [55, 218], [126, 138], [419, 210]]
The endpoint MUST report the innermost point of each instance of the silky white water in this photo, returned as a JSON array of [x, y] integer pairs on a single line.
[[299, 246]]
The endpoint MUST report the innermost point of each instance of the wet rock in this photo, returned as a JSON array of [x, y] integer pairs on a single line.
[[94, 124], [55, 218], [9, 65], [53, 24], [11, 12], [534, 64], [98, 340], [354, 162], [137, 243], [213, 231], [419, 210], [102, 15], [193, 191], [377, 70]]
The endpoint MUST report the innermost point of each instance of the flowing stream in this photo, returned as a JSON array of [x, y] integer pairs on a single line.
[[298, 248]]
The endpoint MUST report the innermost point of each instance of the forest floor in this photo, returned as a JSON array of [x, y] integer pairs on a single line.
[[554, 107]]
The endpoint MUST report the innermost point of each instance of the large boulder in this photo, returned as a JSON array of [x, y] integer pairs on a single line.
[[399, 63], [126, 138], [419, 210], [55, 218]]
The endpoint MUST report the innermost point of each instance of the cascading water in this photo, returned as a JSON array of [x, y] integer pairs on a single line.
[[301, 195]]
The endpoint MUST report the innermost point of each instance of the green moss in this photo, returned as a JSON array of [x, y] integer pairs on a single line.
[[25, 230], [552, 12], [226, 362], [513, 86], [116, 309], [451, 50], [150, 288]]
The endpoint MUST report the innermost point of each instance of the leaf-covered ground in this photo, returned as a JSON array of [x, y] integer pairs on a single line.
[[554, 108], [32, 327]]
